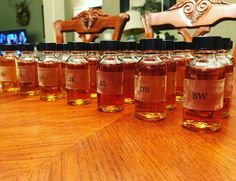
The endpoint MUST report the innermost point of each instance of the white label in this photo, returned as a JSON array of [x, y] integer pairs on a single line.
[[77, 79], [110, 83], [8, 74], [150, 88], [204, 95], [228, 85], [27, 74], [48, 76]]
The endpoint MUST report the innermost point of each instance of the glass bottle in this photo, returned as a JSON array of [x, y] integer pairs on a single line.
[[150, 83], [27, 71], [110, 78], [63, 54], [179, 57], [77, 80], [8, 70], [49, 74], [93, 59], [167, 57], [203, 87], [222, 57], [128, 56]]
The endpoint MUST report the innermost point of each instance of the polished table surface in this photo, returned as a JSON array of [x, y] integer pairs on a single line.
[[54, 141]]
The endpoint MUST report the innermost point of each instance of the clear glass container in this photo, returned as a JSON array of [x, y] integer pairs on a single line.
[[128, 56], [49, 74], [203, 87], [179, 57], [222, 57], [77, 80], [167, 57], [150, 84], [27, 71], [93, 58], [8, 69], [110, 75]]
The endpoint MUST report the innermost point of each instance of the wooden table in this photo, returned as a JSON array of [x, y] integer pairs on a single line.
[[54, 141]]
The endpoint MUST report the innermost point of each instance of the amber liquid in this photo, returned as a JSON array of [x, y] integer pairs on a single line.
[[171, 83], [150, 111], [9, 85], [63, 83], [48, 92], [204, 121], [29, 88], [129, 72], [110, 103], [227, 101], [93, 61], [78, 96], [180, 69]]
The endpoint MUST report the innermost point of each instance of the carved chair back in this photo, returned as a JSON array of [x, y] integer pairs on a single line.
[[187, 14], [88, 24]]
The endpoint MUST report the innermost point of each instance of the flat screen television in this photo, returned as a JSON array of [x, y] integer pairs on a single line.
[[13, 37]]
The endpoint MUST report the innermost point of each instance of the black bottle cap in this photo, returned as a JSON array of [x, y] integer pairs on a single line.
[[188, 45], [47, 47], [231, 44], [226, 43], [9, 47], [109, 45], [76, 46], [180, 45], [65, 47], [86, 46], [94, 46], [168, 45], [128, 45], [151, 44], [59, 47], [207, 43], [26, 47]]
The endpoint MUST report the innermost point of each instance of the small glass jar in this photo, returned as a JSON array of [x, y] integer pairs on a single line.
[[128, 56], [110, 76], [27, 71], [150, 83], [77, 80], [49, 74], [8, 69], [180, 59], [167, 57], [93, 58], [203, 87], [222, 57]]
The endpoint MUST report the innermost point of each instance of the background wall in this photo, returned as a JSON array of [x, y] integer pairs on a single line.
[[35, 27]]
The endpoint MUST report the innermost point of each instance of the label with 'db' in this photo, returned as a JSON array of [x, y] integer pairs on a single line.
[[8, 74], [203, 95], [150, 88]]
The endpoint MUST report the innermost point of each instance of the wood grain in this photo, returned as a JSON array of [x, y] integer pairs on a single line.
[[55, 141]]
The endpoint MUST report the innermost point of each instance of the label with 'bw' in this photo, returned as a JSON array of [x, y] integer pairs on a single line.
[[203, 95]]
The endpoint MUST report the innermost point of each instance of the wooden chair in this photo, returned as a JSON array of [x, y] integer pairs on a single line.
[[91, 22], [187, 14]]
